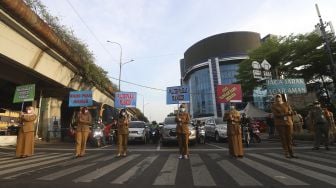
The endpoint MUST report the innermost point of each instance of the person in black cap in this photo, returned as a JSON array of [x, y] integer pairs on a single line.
[[320, 125]]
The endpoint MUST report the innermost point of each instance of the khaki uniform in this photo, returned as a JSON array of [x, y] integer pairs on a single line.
[[332, 128], [284, 125], [320, 126], [122, 135], [234, 133], [25, 139], [182, 130], [84, 121], [297, 123]]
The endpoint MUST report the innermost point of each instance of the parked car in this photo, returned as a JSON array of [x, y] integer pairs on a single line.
[[216, 128], [138, 131], [168, 131]]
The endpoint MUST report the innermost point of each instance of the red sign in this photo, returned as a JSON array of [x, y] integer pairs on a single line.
[[229, 93]]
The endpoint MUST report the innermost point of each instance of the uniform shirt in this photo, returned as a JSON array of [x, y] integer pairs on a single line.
[[282, 114], [123, 125], [28, 122], [84, 121], [182, 120]]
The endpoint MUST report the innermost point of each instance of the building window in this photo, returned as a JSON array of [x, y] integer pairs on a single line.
[[228, 73]]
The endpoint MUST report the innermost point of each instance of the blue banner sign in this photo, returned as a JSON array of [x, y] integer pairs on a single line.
[[125, 100], [286, 86], [80, 98], [178, 95]]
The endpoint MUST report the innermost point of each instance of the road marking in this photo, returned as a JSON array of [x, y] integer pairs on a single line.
[[158, 147], [318, 159], [214, 156], [242, 178], [31, 160], [105, 170], [270, 172], [168, 173], [81, 159], [65, 172], [213, 145], [307, 163], [2, 172], [7, 159], [298, 169], [106, 158], [135, 171], [200, 172]]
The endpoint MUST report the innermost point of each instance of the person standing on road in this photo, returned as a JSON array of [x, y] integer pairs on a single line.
[[282, 113], [320, 125], [332, 127], [25, 139], [182, 121], [84, 120], [270, 123], [234, 132], [122, 125]]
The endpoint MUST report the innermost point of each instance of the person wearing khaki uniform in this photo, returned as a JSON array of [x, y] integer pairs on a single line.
[[234, 132], [282, 113], [84, 121], [25, 139], [122, 133], [182, 129]]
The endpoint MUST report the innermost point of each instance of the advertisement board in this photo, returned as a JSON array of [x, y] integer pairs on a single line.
[[228, 93], [178, 95], [125, 100], [80, 98]]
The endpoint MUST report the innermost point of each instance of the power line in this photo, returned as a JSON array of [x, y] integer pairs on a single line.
[[88, 28]]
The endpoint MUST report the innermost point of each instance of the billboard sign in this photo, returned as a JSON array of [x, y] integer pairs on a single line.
[[80, 98], [178, 95], [229, 93], [24, 93], [286, 86], [125, 99]]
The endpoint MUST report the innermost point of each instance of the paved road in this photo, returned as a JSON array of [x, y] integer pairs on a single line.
[[156, 166]]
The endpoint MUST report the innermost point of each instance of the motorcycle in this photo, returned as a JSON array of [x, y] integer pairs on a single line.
[[255, 132], [96, 135], [201, 135], [154, 135], [114, 135]]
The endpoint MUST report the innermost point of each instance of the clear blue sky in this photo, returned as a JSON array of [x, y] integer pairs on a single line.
[[156, 33]]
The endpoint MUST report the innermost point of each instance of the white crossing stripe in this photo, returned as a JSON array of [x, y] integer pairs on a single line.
[[20, 168], [168, 173], [241, 177], [106, 169], [200, 172], [274, 174], [298, 169], [12, 158], [81, 159], [30, 160], [214, 156], [106, 158], [304, 162], [318, 159], [136, 170], [65, 172]]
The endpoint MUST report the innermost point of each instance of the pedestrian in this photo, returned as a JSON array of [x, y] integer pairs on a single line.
[[282, 113], [297, 123], [25, 139], [320, 126], [270, 123], [84, 120], [123, 121], [182, 130], [330, 118], [234, 132]]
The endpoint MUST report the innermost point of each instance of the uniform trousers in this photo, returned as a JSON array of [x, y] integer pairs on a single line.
[[183, 140], [235, 141], [81, 138], [25, 143], [122, 143], [285, 134]]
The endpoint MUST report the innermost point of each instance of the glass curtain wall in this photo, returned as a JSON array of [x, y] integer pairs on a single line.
[[200, 90], [228, 73]]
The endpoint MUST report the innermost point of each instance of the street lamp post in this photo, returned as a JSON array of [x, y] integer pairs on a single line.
[[120, 60]]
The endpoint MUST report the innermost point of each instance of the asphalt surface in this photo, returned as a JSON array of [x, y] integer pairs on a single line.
[[154, 165]]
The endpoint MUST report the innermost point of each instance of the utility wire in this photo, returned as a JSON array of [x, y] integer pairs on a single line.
[[88, 28]]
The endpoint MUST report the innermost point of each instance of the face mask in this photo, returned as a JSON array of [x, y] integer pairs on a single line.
[[86, 111], [29, 111], [182, 109], [123, 113], [232, 107]]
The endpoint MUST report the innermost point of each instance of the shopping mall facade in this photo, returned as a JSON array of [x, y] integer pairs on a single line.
[[214, 61]]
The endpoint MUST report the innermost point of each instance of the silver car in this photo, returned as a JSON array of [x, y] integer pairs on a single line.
[[138, 131], [216, 128], [168, 131]]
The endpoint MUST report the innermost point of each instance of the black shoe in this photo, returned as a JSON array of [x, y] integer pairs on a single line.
[[327, 148], [315, 148], [294, 156]]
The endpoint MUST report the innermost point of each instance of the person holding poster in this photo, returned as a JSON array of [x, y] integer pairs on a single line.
[[122, 125], [282, 113], [25, 139], [234, 132], [84, 120], [182, 119]]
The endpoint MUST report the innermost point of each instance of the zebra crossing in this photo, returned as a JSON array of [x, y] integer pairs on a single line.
[[207, 169]]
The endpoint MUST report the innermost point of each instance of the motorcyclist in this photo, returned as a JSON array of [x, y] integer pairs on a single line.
[[197, 126]]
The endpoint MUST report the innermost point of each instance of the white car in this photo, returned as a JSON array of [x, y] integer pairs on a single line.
[[216, 128], [168, 131], [138, 131]]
